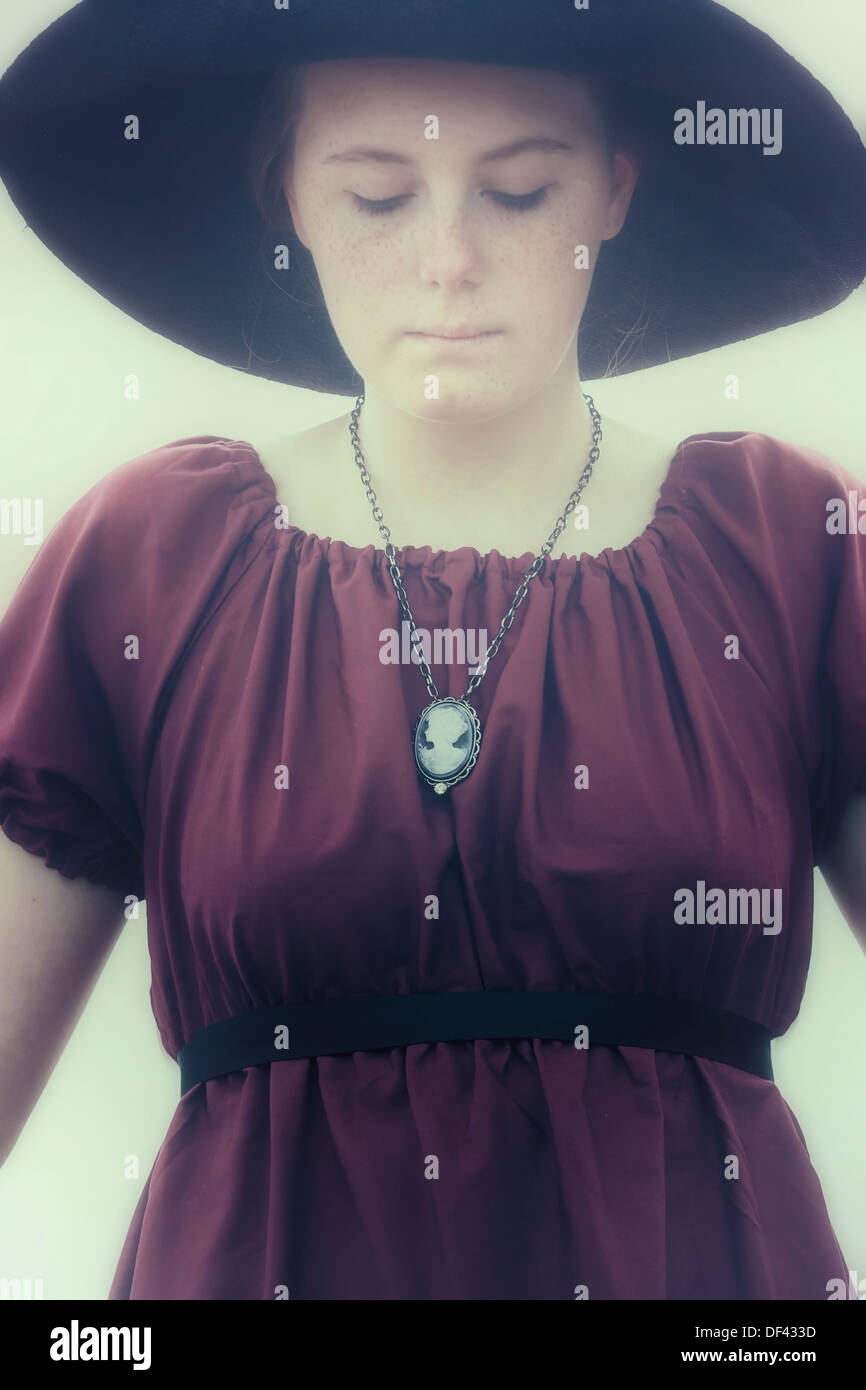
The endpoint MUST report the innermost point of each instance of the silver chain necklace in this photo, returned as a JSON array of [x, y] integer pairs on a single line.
[[446, 736]]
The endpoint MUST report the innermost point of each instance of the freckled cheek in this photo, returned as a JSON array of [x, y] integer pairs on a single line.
[[366, 258], [541, 266], [359, 265], [361, 279]]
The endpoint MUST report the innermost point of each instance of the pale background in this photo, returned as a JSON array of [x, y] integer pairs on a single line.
[[65, 1203]]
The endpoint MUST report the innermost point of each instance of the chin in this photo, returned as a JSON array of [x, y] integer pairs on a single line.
[[463, 396], [463, 403]]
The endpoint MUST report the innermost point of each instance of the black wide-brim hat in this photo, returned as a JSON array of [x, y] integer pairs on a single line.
[[721, 242]]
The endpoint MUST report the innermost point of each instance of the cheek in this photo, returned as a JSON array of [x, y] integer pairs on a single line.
[[546, 264], [356, 262], [577, 243], [364, 288]]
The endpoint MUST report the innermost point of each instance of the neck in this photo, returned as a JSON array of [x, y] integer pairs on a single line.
[[521, 464]]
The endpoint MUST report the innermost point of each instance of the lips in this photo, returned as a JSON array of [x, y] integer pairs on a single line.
[[462, 330]]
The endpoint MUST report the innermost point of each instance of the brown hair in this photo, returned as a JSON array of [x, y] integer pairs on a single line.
[[272, 142]]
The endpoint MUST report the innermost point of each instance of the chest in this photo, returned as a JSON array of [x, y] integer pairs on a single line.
[[613, 775], [325, 495]]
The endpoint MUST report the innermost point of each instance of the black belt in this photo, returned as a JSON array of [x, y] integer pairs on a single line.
[[330, 1026]]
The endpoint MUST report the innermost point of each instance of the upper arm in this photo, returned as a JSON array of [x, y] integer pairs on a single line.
[[843, 865], [55, 935]]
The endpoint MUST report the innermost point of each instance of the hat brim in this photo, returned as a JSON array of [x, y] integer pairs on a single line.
[[721, 242]]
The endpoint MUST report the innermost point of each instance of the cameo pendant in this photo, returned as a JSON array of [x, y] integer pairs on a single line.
[[445, 740]]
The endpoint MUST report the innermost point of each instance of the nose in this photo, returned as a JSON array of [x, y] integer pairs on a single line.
[[449, 242]]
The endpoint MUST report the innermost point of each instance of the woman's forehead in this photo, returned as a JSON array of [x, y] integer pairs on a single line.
[[351, 96], [380, 81]]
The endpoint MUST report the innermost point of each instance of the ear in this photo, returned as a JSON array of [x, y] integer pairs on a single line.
[[626, 172]]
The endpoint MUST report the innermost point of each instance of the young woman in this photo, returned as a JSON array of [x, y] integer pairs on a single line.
[[471, 965]]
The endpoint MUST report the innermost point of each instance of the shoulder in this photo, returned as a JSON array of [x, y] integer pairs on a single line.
[[175, 499], [292, 457], [781, 526], [732, 463], [761, 490], [158, 535], [144, 551], [185, 470]]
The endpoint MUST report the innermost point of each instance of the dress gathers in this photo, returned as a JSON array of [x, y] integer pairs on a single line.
[[193, 710]]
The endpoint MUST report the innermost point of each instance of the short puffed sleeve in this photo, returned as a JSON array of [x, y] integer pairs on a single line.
[[841, 668], [91, 637], [783, 529]]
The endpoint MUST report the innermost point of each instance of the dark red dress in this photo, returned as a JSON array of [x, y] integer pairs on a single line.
[[519, 1169]]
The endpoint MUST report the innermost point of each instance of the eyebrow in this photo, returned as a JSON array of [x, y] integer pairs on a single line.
[[541, 144]]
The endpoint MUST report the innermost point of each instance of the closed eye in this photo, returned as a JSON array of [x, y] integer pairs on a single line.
[[514, 202]]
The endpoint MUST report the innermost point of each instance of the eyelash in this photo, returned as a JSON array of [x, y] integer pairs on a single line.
[[511, 202]]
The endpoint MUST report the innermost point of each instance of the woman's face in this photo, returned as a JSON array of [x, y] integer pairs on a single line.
[[459, 239]]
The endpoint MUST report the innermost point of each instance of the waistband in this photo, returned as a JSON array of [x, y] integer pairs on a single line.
[[329, 1026]]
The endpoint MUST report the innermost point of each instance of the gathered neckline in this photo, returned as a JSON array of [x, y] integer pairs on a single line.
[[435, 559]]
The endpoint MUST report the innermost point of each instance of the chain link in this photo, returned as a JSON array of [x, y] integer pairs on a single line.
[[397, 581]]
